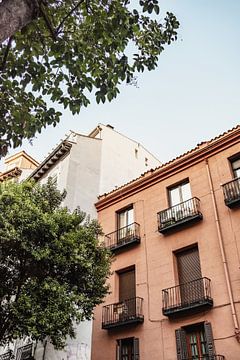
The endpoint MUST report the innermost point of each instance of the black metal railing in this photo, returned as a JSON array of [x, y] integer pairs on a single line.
[[186, 296], [24, 352], [6, 356], [180, 213], [123, 236], [206, 357], [124, 312], [231, 191]]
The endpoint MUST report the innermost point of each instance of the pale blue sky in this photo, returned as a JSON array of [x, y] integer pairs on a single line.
[[191, 97]]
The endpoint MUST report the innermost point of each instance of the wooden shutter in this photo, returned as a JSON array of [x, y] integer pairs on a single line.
[[127, 288], [188, 263], [118, 350], [181, 344], [209, 338], [136, 353]]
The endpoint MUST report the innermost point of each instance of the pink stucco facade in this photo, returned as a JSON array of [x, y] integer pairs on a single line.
[[216, 236]]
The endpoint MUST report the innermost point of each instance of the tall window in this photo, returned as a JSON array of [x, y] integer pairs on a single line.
[[179, 193], [189, 269], [124, 223], [128, 349], [236, 168], [195, 342], [125, 217]]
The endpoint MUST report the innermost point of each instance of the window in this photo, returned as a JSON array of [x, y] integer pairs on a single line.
[[179, 193], [127, 284], [128, 349], [236, 167], [195, 341], [125, 217], [189, 271], [124, 223]]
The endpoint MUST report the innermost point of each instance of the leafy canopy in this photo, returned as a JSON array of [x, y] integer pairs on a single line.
[[71, 49], [52, 269]]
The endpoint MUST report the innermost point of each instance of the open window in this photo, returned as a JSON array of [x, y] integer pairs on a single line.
[[127, 349], [195, 342]]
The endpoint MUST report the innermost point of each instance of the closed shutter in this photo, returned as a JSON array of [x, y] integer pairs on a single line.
[[127, 288], [136, 354], [189, 269], [188, 263], [209, 339], [181, 344]]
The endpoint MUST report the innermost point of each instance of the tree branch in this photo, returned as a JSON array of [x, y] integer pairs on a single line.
[[48, 22], [2, 67], [69, 14]]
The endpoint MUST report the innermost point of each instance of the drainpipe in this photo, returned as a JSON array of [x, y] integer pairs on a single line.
[[223, 255]]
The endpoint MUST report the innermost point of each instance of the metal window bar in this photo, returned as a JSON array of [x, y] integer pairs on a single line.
[[122, 236], [179, 212], [129, 309], [186, 294], [24, 352], [231, 190]]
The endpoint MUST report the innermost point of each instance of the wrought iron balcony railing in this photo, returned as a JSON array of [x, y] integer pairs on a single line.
[[175, 216], [6, 356], [124, 237], [122, 313], [25, 352], [231, 191], [186, 298], [206, 357]]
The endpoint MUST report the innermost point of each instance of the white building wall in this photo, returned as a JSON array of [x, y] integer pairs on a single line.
[[123, 159], [95, 164]]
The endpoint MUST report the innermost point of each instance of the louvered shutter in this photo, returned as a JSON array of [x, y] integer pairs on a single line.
[[181, 344], [136, 354], [209, 339], [118, 350]]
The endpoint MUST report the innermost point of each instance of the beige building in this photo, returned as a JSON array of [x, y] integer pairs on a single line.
[[175, 283], [18, 167]]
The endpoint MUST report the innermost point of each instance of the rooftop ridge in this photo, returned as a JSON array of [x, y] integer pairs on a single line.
[[202, 145]]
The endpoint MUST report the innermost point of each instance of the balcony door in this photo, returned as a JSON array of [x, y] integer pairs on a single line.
[[180, 193], [124, 221], [127, 292], [195, 342], [189, 269], [236, 168], [128, 349]]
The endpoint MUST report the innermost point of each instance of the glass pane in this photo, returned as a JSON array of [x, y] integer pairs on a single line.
[[237, 173], [122, 219], [174, 195], [129, 216], [236, 164], [186, 192]]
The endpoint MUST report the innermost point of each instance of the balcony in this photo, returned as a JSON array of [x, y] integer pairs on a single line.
[[206, 357], [182, 214], [25, 352], [187, 298], [231, 191], [123, 313], [123, 238], [6, 356]]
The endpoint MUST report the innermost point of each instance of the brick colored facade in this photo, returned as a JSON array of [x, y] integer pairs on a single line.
[[202, 317]]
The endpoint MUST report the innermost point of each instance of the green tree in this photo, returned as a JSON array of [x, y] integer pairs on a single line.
[[57, 51], [52, 269]]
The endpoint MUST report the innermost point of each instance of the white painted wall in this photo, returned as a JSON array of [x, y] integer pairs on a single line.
[[123, 159], [93, 166]]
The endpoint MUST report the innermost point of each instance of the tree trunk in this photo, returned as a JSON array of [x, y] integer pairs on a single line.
[[14, 15]]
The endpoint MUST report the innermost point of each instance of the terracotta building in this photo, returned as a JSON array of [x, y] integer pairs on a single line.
[[175, 236]]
